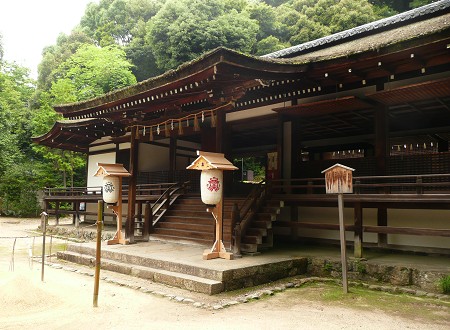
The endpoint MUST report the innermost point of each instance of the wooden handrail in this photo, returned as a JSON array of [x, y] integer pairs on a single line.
[[418, 184], [241, 217], [164, 200]]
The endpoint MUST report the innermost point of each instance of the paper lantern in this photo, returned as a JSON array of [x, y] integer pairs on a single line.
[[211, 184], [111, 189]]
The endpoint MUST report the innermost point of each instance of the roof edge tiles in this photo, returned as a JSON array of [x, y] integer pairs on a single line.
[[420, 13]]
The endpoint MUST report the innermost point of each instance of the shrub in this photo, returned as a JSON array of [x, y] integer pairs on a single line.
[[445, 284]]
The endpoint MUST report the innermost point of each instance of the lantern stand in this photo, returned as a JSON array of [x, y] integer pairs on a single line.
[[112, 195], [339, 180], [212, 166]]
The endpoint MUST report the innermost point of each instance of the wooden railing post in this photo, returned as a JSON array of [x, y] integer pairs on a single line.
[[419, 187], [57, 212], [236, 228], [310, 189], [358, 231], [166, 200], [356, 186], [148, 221]]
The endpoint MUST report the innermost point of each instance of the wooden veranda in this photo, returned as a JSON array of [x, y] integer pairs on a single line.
[[370, 192]]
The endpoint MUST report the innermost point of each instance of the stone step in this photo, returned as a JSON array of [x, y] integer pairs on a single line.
[[176, 279], [146, 261], [171, 270]]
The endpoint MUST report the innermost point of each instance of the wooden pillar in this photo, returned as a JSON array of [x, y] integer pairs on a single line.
[[134, 154], [280, 133], [148, 222], [381, 139], [223, 146], [294, 219], [221, 131], [172, 158], [382, 221], [295, 149], [381, 158], [358, 233]]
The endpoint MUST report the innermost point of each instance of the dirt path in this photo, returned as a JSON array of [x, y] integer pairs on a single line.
[[64, 300]]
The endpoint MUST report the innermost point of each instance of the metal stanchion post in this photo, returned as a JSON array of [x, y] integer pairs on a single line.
[[44, 216]]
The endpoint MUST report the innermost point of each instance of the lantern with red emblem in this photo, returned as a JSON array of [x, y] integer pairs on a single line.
[[212, 166]]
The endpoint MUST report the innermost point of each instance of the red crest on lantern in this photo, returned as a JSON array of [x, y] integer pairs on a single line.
[[213, 184]]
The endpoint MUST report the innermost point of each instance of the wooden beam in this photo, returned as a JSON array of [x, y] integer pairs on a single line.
[[408, 231], [312, 225]]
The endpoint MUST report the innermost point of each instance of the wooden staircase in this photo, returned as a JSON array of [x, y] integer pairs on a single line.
[[188, 220], [185, 219], [259, 235]]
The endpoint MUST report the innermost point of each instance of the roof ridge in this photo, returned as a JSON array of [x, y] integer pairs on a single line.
[[392, 21]]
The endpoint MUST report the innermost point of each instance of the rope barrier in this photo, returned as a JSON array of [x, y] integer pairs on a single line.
[[12, 237]]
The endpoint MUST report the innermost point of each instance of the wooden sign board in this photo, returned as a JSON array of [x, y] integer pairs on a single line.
[[339, 179]]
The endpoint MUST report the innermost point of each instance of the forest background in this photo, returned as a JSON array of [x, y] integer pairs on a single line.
[[118, 43]]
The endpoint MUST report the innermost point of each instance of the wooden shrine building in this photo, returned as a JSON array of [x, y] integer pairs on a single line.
[[375, 98]]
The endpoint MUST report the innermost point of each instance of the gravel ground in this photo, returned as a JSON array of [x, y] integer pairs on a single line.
[[64, 299]]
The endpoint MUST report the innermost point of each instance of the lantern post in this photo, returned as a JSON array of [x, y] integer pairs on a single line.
[[339, 180], [112, 194], [212, 166]]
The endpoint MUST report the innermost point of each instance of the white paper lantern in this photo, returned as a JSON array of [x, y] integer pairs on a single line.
[[111, 189], [211, 185]]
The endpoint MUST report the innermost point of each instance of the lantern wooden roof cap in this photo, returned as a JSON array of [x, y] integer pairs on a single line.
[[111, 170], [211, 160], [336, 166]]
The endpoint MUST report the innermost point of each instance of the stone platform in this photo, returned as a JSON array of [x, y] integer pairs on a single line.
[[181, 265]]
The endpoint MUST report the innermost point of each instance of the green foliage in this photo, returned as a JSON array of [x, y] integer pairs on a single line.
[[419, 3], [54, 56], [158, 35], [16, 186], [15, 91], [444, 283], [255, 164], [18, 189], [360, 267], [327, 267], [92, 71], [269, 45], [183, 30], [1, 47]]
